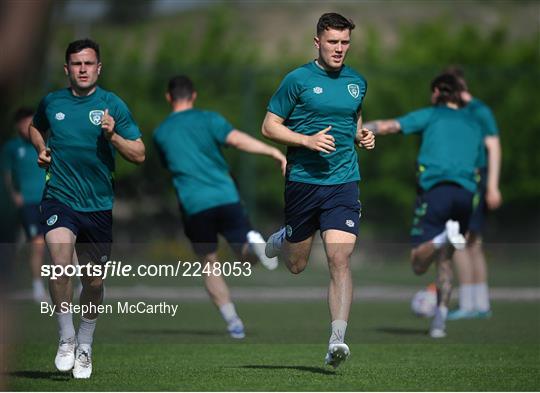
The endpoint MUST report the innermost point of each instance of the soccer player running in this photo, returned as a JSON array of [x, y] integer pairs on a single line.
[[316, 112], [189, 141], [447, 161], [471, 262], [25, 181], [86, 125]]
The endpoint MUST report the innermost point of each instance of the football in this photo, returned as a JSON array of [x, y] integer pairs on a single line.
[[424, 302]]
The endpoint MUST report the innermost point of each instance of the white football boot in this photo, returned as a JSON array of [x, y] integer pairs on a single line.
[[236, 329], [258, 246], [438, 324], [454, 236], [274, 243], [337, 354], [65, 356], [82, 368]]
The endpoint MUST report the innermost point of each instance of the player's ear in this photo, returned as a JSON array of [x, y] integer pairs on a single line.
[[66, 69], [317, 42], [99, 68], [168, 97], [193, 96]]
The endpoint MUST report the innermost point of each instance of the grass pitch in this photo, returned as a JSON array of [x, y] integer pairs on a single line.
[[284, 351]]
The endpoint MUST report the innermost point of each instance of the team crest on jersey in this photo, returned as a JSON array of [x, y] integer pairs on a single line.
[[52, 220], [354, 90], [96, 116], [59, 116]]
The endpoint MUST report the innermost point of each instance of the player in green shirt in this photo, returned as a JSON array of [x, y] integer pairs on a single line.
[[471, 263], [316, 113], [189, 141], [447, 168], [87, 125], [25, 181]]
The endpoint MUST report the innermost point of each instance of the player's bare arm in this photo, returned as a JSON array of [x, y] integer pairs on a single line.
[[37, 138], [383, 127], [493, 193], [242, 141], [274, 130], [132, 151]]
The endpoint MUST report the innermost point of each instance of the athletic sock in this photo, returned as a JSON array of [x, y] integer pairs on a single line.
[[228, 312], [339, 327], [66, 330], [38, 289], [440, 240], [86, 331], [481, 297], [466, 297]]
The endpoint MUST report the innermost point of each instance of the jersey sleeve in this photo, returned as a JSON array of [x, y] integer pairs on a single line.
[[6, 157], [220, 127], [40, 120], [416, 121], [487, 121], [125, 125], [286, 96]]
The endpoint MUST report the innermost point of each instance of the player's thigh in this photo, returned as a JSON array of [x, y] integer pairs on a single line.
[[297, 253], [339, 245], [202, 231]]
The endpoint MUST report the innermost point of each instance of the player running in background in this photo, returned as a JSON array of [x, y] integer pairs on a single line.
[[471, 262], [447, 162], [25, 181], [189, 141], [87, 126], [316, 112]]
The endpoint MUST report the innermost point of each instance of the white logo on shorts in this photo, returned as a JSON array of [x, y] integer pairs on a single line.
[[96, 116], [354, 90], [317, 90], [52, 220], [288, 229], [59, 116], [349, 223]]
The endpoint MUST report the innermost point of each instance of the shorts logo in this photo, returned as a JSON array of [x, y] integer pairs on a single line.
[[52, 220], [349, 223], [103, 259], [318, 90], [60, 116], [96, 116], [288, 229], [354, 90]]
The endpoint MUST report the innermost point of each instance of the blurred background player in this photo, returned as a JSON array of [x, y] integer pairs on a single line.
[[316, 113], [87, 126], [447, 162], [25, 181], [471, 263], [189, 141]]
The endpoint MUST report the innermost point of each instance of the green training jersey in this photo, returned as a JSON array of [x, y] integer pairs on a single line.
[[20, 160], [190, 144], [487, 121], [310, 99], [82, 165], [451, 144]]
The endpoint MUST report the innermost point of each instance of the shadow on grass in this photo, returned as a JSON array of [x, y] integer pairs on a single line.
[[313, 370], [50, 375], [402, 331]]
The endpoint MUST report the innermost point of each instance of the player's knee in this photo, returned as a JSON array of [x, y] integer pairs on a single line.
[[92, 284], [297, 265], [418, 268]]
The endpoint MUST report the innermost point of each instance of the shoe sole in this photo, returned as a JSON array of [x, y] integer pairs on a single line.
[[437, 333], [338, 356]]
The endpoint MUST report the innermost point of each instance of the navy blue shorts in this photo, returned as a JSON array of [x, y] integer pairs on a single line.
[[312, 207], [31, 220], [476, 225], [230, 221], [445, 201], [92, 229]]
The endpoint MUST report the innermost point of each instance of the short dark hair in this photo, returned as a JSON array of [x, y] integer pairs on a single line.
[[79, 45], [331, 20], [458, 72], [180, 87], [22, 113], [449, 89]]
